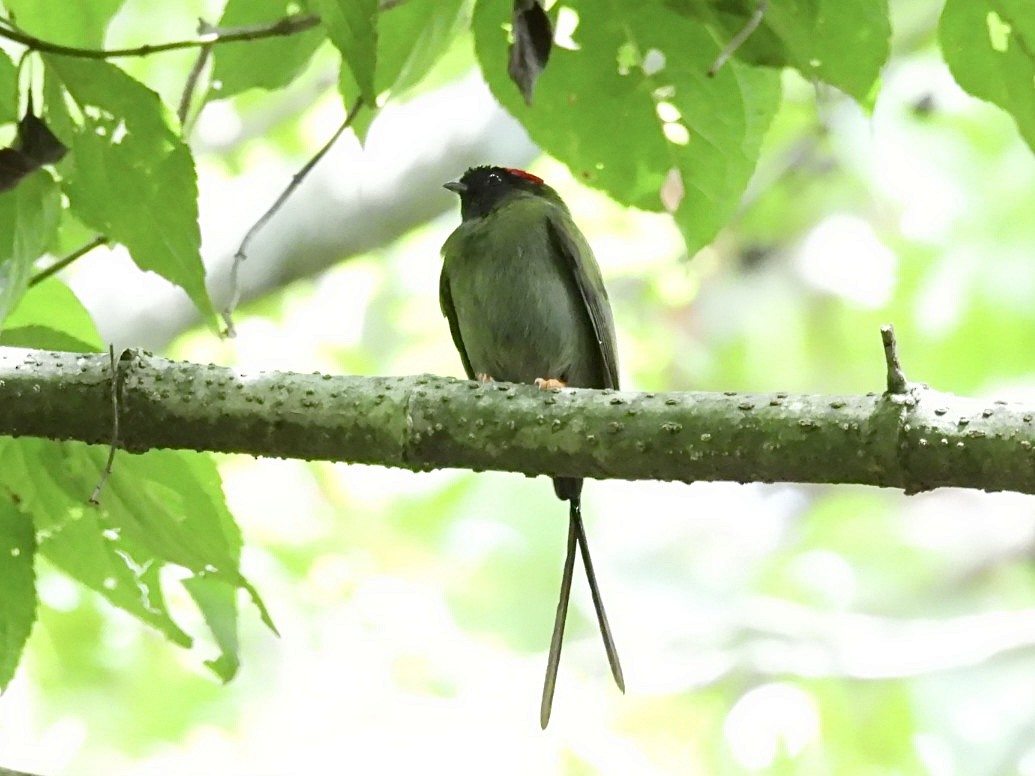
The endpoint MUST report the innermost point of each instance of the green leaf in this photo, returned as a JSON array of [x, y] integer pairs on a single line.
[[79, 539], [164, 507], [352, 27], [267, 64], [641, 69], [842, 44], [8, 89], [217, 601], [29, 215], [989, 46], [130, 176], [411, 38], [50, 317], [18, 582], [72, 24], [44, 338], [171, 502]]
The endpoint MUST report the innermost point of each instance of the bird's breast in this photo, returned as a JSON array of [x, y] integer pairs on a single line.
[[519, 312]]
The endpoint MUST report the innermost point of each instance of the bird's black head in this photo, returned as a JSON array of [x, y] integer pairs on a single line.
[[483, 189]]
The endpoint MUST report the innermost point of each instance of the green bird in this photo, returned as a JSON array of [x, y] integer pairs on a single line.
[[526, 304]]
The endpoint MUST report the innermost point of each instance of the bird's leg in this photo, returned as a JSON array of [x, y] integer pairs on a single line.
[[483, 377], [545, 383]]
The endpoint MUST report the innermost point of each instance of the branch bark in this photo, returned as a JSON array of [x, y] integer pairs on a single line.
[[918, 440]]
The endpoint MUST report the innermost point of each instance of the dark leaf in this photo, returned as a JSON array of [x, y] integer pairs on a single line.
[[530, 51], [37, 142], [34, 147], [14, 165]]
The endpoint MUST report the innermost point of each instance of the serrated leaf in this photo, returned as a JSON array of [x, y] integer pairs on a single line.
[[50, 317], [642, 70], [8, 89], [267, 64], [80, 23], [352, 27], [130, 176], [29, 216], [989, 46], [171, 502], [77, 538], [18, 583], [163, 507]]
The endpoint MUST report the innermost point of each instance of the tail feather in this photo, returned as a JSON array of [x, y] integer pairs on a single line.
[[554, 659], [570, 489], [575, 518]]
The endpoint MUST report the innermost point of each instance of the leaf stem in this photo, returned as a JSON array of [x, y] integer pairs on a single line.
[[738, 40], [60, 264]]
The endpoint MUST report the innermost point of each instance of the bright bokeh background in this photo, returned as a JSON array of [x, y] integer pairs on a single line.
[[763, 629]]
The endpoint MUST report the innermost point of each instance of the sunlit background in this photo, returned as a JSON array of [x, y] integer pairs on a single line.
[[763, 629]]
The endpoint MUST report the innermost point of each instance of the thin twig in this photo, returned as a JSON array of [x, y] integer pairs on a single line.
[[289, 25], [296, 180], [60, 264], [95, 496], [738, 40], [897, 382], [204, 28]]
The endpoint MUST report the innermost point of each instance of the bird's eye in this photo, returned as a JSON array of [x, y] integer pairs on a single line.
[[495, 177]]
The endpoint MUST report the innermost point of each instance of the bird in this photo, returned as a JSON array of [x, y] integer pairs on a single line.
[[526, 303]]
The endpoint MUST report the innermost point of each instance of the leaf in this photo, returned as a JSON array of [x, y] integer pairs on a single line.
[[28, 222], [266, 64], [171, 502], [164, 507], [130, 176], [78, 539], [34, 146], [217, 601], [72, 24], [8, 89], [411, 39], [530, 50], [842, 44], [50, 317], [352, 27], [36, 141], [18, 581], [989, 46], [641, 70], [15, 166]]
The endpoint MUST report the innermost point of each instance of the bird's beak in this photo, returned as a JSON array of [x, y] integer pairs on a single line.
[[456, 187]]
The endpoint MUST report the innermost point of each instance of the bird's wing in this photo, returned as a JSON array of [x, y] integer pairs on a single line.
[[572, 245], [445, 300]]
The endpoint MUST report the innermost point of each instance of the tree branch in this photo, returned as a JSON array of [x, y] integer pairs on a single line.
[[918, 441], [296, 181], [289, 25]]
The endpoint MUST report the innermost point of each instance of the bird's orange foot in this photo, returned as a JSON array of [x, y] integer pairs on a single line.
[[482, 377], [545, 383]]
